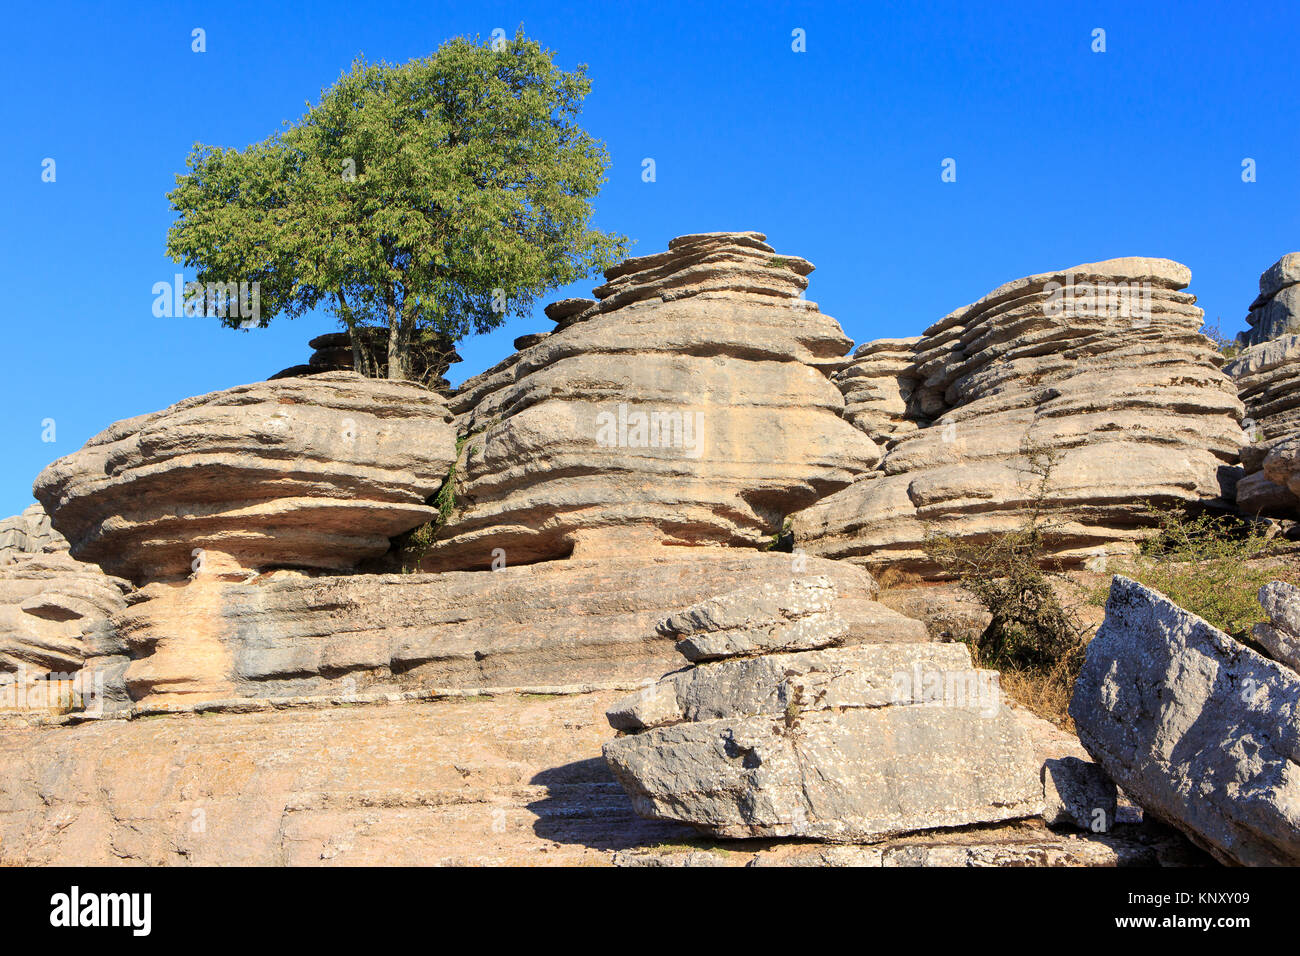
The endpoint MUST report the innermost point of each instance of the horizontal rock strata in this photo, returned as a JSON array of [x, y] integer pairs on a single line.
[[316, 472], [1199, 729], [1267, 376], [288, 634], [689, 404], [1096, 377], [1276, 310], [29, 533]]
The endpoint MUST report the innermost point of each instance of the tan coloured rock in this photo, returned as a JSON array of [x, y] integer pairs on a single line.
[[689, 405], [48, 605], [847, 744], [878, 388], [29, 533], [579, 621], [1100, 368], [315, 472]]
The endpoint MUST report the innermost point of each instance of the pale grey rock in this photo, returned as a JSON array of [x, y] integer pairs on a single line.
[[1281, 635], [1078, 793], [1101, 366], [689, 404], [29, 533], [1197, 728]]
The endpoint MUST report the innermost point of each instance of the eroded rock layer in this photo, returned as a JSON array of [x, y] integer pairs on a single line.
[[288, 634], [1276, 310], [688, 405], [316, 472], [1268, 380], [1087, 392]]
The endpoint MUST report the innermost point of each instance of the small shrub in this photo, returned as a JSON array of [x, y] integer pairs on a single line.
[[1012, 576], [1211, 565]]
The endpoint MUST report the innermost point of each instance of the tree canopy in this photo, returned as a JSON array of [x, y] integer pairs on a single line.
[[435, 198]]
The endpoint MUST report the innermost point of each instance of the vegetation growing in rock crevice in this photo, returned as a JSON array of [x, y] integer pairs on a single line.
[[1211, 565]]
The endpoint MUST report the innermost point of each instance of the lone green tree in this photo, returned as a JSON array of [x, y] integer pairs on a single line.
[[431, 199]]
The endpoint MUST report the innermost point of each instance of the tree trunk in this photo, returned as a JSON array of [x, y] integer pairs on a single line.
[[399, 341]]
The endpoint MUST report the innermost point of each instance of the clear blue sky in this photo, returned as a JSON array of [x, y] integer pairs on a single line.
[[1063, 156]]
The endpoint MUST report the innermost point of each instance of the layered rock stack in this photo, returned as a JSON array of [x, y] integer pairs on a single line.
[[29, 533], [51, 609], [1198, 728], [688, 404], [790, 724], [1276, 310], [332, 352], [1085, 393], [1267, 373], [316, 472], [878, 387]]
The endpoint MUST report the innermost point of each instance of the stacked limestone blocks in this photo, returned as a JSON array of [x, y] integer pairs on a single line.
[[333, 352], [878, 388], [29, 533], [316, 472], [785, 727], [51, 608], [1276, 310], [1267, 373], [689, 404], [1096, 375]]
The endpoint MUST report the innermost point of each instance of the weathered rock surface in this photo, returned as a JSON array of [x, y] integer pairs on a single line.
[[1281, 635], [29, 533], [1100, 367], [689, 404], [49, 605], [1197, 728], [878, 387], [287, 634], [1276, 310], [333, 352], [315, 472], [1268, 380], [841, 744]]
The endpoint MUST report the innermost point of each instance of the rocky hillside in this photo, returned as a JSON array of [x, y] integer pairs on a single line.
[[616, 599]]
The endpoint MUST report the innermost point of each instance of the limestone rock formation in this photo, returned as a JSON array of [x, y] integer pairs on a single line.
[[29, 533], [845, 744], [1268, 380], [49, 606], [878, 388], [1100, 367], [1281, 635], [1196, 727], [315, 472], [689, 404], [1276, 310], [287, 634]]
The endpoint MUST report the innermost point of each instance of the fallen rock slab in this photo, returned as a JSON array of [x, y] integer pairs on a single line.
[[1199, 729]]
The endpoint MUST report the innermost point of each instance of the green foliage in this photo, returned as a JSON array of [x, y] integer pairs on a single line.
[[1011, 576], [1227, 346], [1211, 565], [435, 198]]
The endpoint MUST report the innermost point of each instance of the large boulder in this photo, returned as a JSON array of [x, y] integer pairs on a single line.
[[1095, 377], [1199, 729], [836, 741], [316, 472], [689, 404]]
